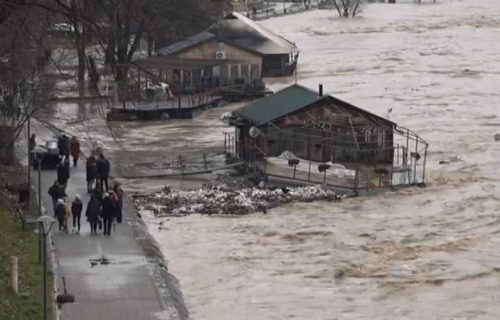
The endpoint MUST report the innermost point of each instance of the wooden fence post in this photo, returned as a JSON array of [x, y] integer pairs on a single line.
[[14, 274]]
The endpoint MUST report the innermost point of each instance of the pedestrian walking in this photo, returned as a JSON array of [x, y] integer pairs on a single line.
[[97, 192], [60, 212], [93, 213], [103, 168], [63, 146], [62, 174], [75, 149], [67, 215], [117, 189], [56, 192], [114, 199], [107, 213], [91, 172], [76, 210]]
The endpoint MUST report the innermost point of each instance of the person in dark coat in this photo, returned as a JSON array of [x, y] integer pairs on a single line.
[[93, 213], [91, 172], [62, 174], [56, 192], [76, 210], [103, 168], [60, 212], [107, 213], [63, 146], [98, 194], [75, 149], [117, 189]]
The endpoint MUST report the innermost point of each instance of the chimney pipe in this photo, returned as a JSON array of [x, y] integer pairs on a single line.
[[320, 90]]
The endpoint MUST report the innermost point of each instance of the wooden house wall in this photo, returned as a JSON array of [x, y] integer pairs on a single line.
[[249, 67], [324, 133]]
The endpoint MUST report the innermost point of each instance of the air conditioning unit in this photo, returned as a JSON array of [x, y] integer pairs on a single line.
[[220, 55]]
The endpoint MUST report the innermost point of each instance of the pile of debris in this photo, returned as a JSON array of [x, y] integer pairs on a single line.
[[212, 199]]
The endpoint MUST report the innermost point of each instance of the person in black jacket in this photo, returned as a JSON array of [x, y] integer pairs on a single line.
[[103, 168], [107, 213], [76, 210], [91, 172], [62, 174], [63, 146], [56, 192]]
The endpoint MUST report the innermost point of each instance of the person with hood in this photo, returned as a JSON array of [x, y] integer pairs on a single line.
[[75, 149], [91, 172], [103, 168], [60, 211], [76, 210], [56, 192], [107, 213], [93, 213]]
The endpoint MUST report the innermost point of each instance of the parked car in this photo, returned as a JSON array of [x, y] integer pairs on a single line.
[[47, 153]]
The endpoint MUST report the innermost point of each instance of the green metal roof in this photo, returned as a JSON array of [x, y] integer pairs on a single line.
[[278, 105]]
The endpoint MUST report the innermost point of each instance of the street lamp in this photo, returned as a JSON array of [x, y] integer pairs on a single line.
[[45, 222]]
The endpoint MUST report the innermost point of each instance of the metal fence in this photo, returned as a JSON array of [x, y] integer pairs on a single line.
[[407, 167]]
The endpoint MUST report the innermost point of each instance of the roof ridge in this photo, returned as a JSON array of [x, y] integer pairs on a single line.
[[257, 26], [302, 87]]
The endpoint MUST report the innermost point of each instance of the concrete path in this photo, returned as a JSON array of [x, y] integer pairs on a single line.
[[111, 277]]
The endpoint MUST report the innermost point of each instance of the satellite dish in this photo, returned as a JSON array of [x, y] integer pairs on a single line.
[[225, 116], [254, 132]]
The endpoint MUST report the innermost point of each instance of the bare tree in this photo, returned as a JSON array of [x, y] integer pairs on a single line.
[[348, 8], [23, 55], [75, 10]]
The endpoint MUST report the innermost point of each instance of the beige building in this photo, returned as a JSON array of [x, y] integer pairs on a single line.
[[245, 50]]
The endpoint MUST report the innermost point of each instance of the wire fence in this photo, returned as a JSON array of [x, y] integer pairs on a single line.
[[403, 164]]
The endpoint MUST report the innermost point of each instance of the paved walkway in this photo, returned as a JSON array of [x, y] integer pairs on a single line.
[[111, 277]]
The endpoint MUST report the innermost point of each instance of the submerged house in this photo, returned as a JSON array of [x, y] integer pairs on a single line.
[[300, 123], [247, 51]]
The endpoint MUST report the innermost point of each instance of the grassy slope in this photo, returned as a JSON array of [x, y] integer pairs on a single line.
[[24, 244]]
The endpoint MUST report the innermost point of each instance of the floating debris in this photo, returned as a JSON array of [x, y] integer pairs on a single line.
[[212, 199]]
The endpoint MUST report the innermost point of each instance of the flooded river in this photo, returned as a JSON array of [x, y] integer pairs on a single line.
[[422, 253], [414, 254]]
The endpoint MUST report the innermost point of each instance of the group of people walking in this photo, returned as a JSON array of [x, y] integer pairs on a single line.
[[97, 172], [103, 209], [105, 205]]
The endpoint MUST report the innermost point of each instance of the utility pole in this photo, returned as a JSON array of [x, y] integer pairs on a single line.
[[28, 209], [39, 167]]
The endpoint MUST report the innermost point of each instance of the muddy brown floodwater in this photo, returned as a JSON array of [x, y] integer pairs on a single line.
[[419, 253]]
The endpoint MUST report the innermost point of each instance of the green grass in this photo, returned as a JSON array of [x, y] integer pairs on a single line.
[[28, 304]]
